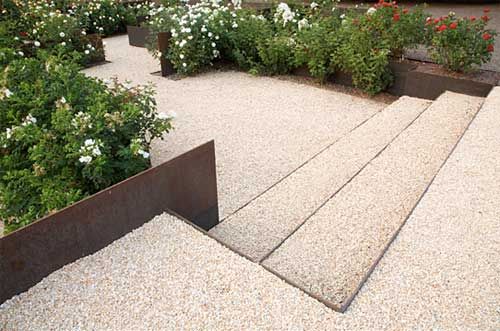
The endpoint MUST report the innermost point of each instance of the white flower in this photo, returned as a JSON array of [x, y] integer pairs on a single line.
[[143, 153], [181, 56], [96, 151], [62, 100], [182, 43], [29, 120], [89, 142], [35, 31], [84, 33], [190, 37], [303, 23], [62, 34], [342, 16], [37, 44], [371, 10], [7, 93], [213, 45], [20, 53], [235, 25], [184, 64], [85, 159], [313, 5], [87, 52], [210, 34], [63, 43], [8, 133]]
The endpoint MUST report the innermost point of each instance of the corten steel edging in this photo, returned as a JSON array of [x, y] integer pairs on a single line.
[[167, 68], [186, 185], [138, 35]]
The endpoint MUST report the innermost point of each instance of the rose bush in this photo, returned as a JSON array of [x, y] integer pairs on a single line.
[[64, 136], [460, 43]]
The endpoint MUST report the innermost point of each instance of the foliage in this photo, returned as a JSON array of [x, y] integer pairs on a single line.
[[64, 136], [106, 17], [316, 45], [461, 44], [243, 42], [277, 55]]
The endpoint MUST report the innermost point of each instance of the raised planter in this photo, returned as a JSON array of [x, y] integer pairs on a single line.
[[185, 185], [137, 34], [429, 81], [426, 80]]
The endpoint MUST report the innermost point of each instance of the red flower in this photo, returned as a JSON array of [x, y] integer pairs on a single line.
[[485, 18], [486, 36], [442, 28], [23, 34], [486, 10], [490, 48], [473, 18], [405, 11], [396, 17], [436, 21], [453, 25]]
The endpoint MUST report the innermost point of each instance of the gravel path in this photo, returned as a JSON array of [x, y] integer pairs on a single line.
[[264, 128], [332, 253], [263, 224]]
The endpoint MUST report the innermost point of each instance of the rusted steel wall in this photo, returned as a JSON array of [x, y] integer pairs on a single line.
[[186, 185]]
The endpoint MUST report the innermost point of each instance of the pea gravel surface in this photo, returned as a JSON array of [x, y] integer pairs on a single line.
[[264, 128], [331, 254], [262, 225]]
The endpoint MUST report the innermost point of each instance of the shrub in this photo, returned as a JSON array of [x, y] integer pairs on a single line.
[[399, 28], [316, 45], [64, 136], [106, 17], [243, 42], [365, 57], [196, 34], [461, 44], [277, 55]]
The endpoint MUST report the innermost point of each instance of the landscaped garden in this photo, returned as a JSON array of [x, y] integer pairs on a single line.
[[325, 165], [65, 136]]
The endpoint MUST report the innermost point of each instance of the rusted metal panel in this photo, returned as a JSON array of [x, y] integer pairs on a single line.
[[186, 185], [167, 68], [138, 35]]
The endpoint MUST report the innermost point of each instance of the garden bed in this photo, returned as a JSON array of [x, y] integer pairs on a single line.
[[185, 185], [425, 80]]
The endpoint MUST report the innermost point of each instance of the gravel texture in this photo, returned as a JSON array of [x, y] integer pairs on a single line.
[[440, 273], [259, 227], [264, 128], [332, 253], [163, 276]]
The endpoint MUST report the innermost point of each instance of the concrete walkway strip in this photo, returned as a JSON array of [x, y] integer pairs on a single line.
[[334, 252], [259, 227]]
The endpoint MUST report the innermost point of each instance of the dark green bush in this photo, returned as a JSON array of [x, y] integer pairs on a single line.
[[64, 136]]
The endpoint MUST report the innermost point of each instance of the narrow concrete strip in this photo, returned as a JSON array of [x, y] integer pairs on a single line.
[[259, 227], [334, 252], [442, 271]]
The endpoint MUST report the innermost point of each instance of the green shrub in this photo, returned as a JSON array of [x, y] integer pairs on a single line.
[[316, 45], [365, 57], [243, 42], [106, 17], [461, 44], [64, 136], [277, 55]]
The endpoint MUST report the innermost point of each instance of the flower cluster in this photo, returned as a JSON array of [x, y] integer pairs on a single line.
[[64, 135], [460, 43]]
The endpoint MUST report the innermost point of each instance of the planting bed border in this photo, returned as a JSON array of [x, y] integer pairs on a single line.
[[412, 78], [138, 35], [185, 185]]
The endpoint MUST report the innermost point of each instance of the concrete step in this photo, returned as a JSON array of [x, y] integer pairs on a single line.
[[262, 225], [333, 253]]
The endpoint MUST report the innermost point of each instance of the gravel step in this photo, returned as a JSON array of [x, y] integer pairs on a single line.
[[259, 227], [336, 249]]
